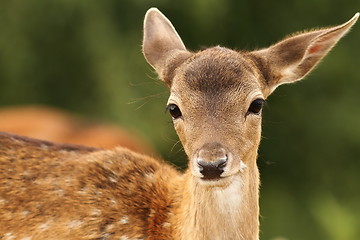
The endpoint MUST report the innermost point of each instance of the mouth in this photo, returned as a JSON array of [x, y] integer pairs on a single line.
[[215, 182], [211, 178]]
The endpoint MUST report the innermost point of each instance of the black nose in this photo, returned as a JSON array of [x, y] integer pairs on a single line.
[[212, 170]]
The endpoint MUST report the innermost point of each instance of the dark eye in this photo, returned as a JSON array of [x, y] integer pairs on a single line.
[[256, 106], [174, 110]]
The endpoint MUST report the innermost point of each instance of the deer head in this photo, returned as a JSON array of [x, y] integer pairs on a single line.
[[217, 94]]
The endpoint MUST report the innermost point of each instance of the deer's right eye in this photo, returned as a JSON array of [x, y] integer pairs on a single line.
[[174, 111], [256, 106]]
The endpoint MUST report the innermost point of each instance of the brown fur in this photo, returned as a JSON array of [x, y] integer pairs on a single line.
[[50, 191]]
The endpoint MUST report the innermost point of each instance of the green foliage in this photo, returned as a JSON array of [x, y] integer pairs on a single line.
[[85, 56]]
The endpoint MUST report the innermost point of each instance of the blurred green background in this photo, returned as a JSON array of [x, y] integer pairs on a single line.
[[85, 56]]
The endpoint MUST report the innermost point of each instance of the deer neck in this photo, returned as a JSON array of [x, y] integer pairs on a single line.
[[229, 211]]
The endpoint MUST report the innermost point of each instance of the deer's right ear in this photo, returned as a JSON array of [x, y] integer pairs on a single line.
[[162, 47], [293, 58]]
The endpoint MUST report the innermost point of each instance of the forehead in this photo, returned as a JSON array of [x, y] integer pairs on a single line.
[[218, 70]]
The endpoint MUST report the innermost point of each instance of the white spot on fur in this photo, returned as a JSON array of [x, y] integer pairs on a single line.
[[95, 212], [44, 226], [26, 173], [64, 152], [149, 177], [166, 225], [44, 181], [113, 201], [105, 236], [242, 166], [60, 192], [26, 238], [44, 145], [74, 224], [152, 212], [124, 220], [111, 179], [83, 191], [127, 238], [68, 180], [3, 201], [25, 213], [109, 227], [9, 236]]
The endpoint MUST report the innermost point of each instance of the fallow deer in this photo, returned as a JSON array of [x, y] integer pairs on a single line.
[[56, 125], [50, 191]]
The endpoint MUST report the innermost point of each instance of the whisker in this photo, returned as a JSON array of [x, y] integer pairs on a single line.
[[150, 97], [174, 145]]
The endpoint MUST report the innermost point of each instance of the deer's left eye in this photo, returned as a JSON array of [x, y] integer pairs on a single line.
[[256, 106]]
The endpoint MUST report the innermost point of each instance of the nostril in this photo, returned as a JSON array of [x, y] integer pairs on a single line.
[[221, 164], [212, 170]]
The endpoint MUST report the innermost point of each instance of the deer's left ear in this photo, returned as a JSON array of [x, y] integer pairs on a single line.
[[291, 59]]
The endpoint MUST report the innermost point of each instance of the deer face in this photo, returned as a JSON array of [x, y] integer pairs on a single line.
[[215, 101], [216, 95]]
